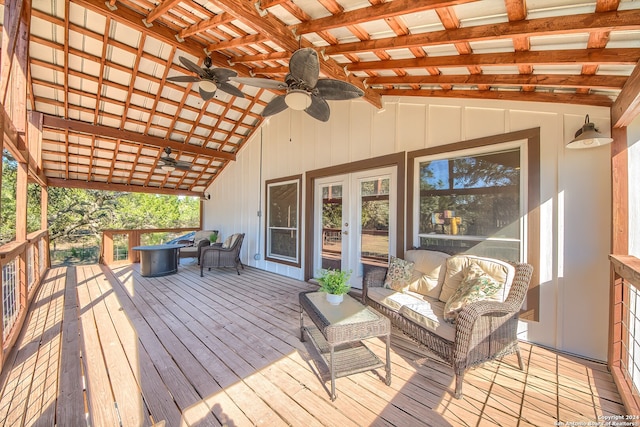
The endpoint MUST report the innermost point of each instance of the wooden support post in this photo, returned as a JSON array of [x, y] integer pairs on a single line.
[[619, 192], [134, 240], [107, 248]]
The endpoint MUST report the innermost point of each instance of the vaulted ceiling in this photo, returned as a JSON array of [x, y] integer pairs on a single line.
[[98, 70]]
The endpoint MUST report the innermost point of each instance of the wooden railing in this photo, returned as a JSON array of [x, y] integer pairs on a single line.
[[110, 247], [624, 329], [24, 264]]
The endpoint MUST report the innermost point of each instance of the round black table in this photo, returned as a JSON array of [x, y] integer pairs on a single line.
[[158, 260]]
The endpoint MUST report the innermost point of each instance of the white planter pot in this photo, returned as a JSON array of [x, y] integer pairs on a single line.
[[334, 299]]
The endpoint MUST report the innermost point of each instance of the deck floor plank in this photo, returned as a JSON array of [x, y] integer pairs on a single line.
[[43, 392], [224, 349], [102, 408], [70, 399], [17, 382], [180, 371], [127, 395]]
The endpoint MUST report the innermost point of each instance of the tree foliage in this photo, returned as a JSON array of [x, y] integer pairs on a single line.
[[73, 211]]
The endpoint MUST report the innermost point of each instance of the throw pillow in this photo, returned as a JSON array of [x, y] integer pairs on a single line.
[[228, 241], [476, 285], [398, 275]]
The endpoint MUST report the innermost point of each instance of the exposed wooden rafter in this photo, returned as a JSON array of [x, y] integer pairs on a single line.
[[114, 72], [112, 133]]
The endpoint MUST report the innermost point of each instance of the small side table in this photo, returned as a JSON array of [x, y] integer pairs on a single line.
[[338, 332]]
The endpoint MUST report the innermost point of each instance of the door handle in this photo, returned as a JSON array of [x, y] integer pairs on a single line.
[[345, 232]]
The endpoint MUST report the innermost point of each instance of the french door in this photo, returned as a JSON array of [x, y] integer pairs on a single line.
[[354, 217]]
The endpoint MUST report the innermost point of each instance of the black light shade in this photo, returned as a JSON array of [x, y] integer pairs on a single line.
[[588, 136]]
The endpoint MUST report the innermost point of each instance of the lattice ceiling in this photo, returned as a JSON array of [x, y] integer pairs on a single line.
[[98, 69]]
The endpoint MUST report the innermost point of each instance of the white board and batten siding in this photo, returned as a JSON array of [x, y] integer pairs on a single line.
[[575, 191]]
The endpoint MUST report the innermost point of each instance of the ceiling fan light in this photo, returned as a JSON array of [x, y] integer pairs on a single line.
[[298, 100], [208, 85], [588, 136], [167, 168]]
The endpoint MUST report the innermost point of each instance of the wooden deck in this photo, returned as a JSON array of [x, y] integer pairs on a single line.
[[109, 347]]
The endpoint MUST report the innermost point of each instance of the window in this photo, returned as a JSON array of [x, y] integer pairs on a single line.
[[471, 203], [497, 231], [283, 220]]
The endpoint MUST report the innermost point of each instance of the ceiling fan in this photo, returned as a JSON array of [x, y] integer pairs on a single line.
[[209, 79], [305, 91], [168, 163]]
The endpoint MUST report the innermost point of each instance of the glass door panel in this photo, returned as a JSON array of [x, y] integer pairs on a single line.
[[374, 222], [332, 226], [354, 221]]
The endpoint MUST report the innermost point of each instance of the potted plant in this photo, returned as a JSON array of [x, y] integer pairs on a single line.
[[213, 237], [335, 283]]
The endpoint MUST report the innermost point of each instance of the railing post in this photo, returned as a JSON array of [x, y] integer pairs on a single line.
[[107, 247], [615, 320], [134, 240]]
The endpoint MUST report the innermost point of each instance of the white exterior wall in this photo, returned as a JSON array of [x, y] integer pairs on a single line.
[[575, 191]]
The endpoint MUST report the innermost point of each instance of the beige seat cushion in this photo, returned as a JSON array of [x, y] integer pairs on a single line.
[[427, 312], [392, 299], [430, 314], [500, 271], [428, 274]]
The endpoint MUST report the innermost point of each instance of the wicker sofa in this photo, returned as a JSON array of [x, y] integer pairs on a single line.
[[482, 331]]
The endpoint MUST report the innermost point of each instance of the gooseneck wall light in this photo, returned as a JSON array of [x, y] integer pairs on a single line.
[[588, 136]]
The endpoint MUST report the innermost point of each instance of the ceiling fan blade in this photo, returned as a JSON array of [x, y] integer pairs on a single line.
[[184, 79], [304, 65], [337, 89], [206, 95], [259, 82], [222, 74], [230, 89], [274, 106], [183, 166], [319, 109], [189, 65]]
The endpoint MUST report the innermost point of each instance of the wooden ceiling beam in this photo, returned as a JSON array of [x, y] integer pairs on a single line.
[[94, 185], [10, 29], [572, 24], [621, 56], [204, 25], [112, 133], [238, 42], [268, 24], [549, 80], [372, 13], [161, 9], [627, 105], [282, 35], [270, 3], [506, 95], [165, 34]]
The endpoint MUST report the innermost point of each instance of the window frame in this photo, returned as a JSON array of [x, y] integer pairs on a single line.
[[297, 180], [530, 153], [519, 145]]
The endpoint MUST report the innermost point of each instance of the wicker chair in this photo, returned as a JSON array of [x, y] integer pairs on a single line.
[[193, 247], [218, 256], [485, 330]]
